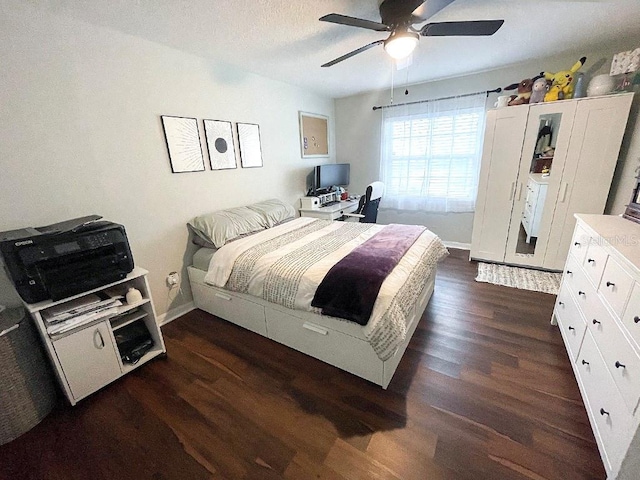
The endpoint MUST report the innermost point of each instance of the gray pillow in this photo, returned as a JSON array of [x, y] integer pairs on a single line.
[[274, 211], [220, 227]]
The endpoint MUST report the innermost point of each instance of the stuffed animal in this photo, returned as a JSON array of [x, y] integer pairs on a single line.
[[562, 82], [524, 92], [539, 90]]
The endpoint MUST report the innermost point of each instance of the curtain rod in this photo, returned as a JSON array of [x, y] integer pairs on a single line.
[[486, 92]]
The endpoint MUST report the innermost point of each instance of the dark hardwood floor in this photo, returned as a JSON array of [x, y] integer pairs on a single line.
[[485, 391]]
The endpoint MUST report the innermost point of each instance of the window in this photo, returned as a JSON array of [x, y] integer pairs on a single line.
[[430, 157]]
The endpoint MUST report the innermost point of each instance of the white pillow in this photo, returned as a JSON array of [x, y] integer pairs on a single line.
[[223, 226], [274, 211]]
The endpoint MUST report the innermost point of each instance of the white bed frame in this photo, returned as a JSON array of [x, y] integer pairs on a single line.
[[338, 342]]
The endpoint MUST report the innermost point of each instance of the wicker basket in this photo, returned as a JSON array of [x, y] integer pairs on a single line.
[[27, 392]]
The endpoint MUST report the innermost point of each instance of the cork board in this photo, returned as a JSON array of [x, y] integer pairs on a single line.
[[314, 135]]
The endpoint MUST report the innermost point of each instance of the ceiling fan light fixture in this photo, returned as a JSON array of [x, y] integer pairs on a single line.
[[401, 45]]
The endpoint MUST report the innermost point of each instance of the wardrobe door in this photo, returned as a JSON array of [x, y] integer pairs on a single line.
[[598, 129], [504, 133], [544, 151]]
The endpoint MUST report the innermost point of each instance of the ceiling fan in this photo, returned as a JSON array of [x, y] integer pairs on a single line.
[[400, 16]]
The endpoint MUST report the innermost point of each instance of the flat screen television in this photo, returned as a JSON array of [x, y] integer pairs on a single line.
[[323, 177]]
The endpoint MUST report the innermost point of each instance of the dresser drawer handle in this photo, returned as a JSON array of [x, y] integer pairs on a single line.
[[315, 328], [577, 244], [603, 412], [571, 328], [562, 304], [584, 362], [636, 319], [569, 272], [580, 292], [590, 260], [611, 284], [596, 322], [620, 365], [223, 296]]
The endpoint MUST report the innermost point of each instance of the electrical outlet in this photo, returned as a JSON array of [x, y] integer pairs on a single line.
[[173, 279]]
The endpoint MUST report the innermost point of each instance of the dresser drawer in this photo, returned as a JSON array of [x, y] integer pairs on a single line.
[[609, 416], [572, 325], [594, 261], [615, 286], [620, 358], [579, 243], [631, 317]]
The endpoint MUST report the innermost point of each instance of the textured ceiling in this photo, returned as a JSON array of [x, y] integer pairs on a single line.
[[284, 40]]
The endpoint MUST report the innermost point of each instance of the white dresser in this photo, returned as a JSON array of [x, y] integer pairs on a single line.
[[598, 312]]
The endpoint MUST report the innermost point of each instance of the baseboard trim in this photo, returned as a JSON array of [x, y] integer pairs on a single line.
[[458, 245], [174, 313]]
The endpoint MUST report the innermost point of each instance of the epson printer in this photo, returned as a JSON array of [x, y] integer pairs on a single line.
[[67, 258]]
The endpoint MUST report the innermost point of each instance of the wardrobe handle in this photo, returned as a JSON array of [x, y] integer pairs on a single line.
[[584, 362], [636, 319], [97, 335], [512, 190], [620, 365], [590, 260], [519, 194], [610, 284], [603, 412], [580, 292], [563, 195], [596, 322], [562, 303], [571, 328], [569, 272], [577, 244]]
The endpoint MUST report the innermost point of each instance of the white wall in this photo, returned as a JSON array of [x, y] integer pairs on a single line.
[[80, 133], [358, 133]]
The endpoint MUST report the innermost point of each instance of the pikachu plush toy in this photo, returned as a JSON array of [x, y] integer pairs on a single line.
[[562, 82]]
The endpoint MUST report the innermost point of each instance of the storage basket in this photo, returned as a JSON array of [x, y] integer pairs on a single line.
[[27, 391]]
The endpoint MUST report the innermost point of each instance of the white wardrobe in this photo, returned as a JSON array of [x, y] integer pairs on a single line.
[[569, 149]]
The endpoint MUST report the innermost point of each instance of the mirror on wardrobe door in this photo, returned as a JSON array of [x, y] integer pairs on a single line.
[[537, 183]]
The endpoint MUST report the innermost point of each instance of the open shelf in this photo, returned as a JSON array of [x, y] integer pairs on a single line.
[[123, 320], [151, 354]]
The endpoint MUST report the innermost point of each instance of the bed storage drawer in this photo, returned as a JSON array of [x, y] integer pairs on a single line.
[[325, 344], [230, 307]]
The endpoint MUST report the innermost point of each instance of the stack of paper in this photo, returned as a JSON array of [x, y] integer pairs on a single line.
[[70, 315]]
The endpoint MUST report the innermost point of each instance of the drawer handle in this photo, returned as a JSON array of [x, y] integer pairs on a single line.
[[580, 292], [571, 328], [562, 304], [569, 272], [315, 328], [97, 335], [611, 284], [223, 296], [603, 412], [577, 244], [620, 365], [636, 319], [584, 362], [596, 322], [590, 260]]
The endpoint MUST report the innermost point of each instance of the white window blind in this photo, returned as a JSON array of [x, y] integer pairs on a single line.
[[430, 156]]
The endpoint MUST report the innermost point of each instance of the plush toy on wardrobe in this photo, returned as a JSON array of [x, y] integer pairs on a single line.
[[539, 90], [562, 82], [524, 92]]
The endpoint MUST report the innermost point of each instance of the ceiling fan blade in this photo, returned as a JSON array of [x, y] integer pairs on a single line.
[[354, 22], [397, 12], [470, 28], [429, 9], [351, 54]]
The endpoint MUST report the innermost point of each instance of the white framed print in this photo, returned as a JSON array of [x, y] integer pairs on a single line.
[[219, 138], [249, 141], [183, 144]]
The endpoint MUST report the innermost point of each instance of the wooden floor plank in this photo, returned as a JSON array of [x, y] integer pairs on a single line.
[[485, 391]]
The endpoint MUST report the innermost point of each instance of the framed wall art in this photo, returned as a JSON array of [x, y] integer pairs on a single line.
[[219, 138], [183, 144], [314, 135], [249, 141]]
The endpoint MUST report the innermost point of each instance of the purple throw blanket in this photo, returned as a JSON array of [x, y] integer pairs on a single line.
[[350, 288]]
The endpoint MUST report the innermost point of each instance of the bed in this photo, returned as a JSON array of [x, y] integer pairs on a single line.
[[272, 274]]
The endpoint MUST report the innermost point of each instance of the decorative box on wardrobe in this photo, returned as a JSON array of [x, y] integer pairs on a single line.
[[578, 142]]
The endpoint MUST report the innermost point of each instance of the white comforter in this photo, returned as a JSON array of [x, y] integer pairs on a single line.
[[285, 265]]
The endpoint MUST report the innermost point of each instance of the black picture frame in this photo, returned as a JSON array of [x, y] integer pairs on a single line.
[[182, 137], [220, 144]]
